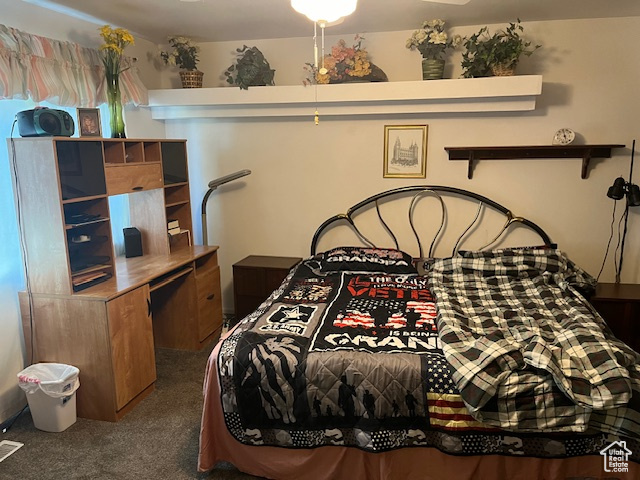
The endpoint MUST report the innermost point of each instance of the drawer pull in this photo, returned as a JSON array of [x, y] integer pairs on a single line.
[[210, 297], [137, 188]]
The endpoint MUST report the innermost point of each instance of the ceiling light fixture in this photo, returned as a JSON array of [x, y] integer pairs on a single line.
[[322, 12]]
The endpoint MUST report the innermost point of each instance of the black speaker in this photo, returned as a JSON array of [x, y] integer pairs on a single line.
[[132, 242], [43, 122]]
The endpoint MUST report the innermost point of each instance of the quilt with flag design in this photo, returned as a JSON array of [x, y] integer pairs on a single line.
[[347, 353]]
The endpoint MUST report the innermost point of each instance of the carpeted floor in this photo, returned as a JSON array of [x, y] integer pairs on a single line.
[[158, 439]]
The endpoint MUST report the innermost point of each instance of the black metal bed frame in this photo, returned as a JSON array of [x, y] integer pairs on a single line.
[[419, 191]]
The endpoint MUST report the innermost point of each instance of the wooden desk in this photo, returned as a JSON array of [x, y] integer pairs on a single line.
[[109, 331], [168, 297], [255, 278], [619, 305]]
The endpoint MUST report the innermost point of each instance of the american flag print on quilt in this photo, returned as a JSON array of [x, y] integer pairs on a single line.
[[379, 313], [354, 358], [527, 350]]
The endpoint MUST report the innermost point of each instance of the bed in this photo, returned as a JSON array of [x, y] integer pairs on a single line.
[[369, 362]]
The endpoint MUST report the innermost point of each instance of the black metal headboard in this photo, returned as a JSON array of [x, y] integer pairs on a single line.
[[420, 191]]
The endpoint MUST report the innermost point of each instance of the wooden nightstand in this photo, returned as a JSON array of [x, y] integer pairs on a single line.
[[255, 278], [619, 305]]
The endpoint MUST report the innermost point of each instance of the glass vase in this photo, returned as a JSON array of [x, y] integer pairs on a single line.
[[114, 101]]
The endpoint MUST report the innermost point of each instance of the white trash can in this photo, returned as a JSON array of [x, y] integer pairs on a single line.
[[51, 393]]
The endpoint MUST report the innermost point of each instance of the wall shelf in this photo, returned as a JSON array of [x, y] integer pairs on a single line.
[[466, 95], [586, 152]]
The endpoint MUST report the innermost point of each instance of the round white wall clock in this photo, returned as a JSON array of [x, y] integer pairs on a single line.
[[564, 136]]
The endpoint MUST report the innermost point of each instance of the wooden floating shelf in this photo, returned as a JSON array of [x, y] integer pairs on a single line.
[[585, 152], [463, 95]]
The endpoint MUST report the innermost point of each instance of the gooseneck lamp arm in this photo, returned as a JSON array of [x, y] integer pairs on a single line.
[[213, 184]]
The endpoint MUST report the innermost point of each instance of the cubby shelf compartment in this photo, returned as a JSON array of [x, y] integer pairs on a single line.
[[585, 152], [123, 151]]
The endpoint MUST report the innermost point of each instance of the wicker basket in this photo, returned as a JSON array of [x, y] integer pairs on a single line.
[[502, 71], [191, 79]]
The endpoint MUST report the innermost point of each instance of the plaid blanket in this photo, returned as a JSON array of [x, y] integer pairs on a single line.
[[528, 351]]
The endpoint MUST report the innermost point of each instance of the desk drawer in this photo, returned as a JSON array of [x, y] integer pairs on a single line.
[[209, 302], [130, 178]]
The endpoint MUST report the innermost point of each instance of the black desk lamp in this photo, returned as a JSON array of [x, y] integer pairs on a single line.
[[213, 184], [619, 190]]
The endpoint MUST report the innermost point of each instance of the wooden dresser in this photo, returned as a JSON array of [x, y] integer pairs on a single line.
[[85, 306]]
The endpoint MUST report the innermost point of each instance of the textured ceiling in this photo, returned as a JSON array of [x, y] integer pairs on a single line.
[[222, 20]]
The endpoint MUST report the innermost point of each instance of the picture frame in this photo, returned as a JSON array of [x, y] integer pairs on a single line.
[[89, 122], [405, 151]]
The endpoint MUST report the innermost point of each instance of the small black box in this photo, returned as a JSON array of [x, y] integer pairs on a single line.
[[132, 242]]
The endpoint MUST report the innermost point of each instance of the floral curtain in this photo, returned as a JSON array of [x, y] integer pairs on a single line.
[[63, 73]]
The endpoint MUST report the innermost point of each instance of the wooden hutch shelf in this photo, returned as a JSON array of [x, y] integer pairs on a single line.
[[87, 307], [586, 152]]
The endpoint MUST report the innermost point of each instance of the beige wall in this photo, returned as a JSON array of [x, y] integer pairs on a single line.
[[304, 173]]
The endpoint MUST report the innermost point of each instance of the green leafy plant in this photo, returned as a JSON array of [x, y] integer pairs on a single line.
[[184, 53], [251, 69], [484, 53], [477, 54]]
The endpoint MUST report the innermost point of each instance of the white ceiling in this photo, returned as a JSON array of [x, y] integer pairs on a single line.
[[222, 20]]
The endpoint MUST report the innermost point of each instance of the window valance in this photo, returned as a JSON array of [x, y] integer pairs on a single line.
[[60, 72]]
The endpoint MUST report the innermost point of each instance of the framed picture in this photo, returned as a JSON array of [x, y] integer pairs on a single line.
[[405, 151], [89, 122]]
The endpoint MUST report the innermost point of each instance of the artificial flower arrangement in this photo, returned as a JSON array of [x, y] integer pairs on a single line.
[[184, 54], [115, 41], [111, 51], [345, 64], [432, 41]]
